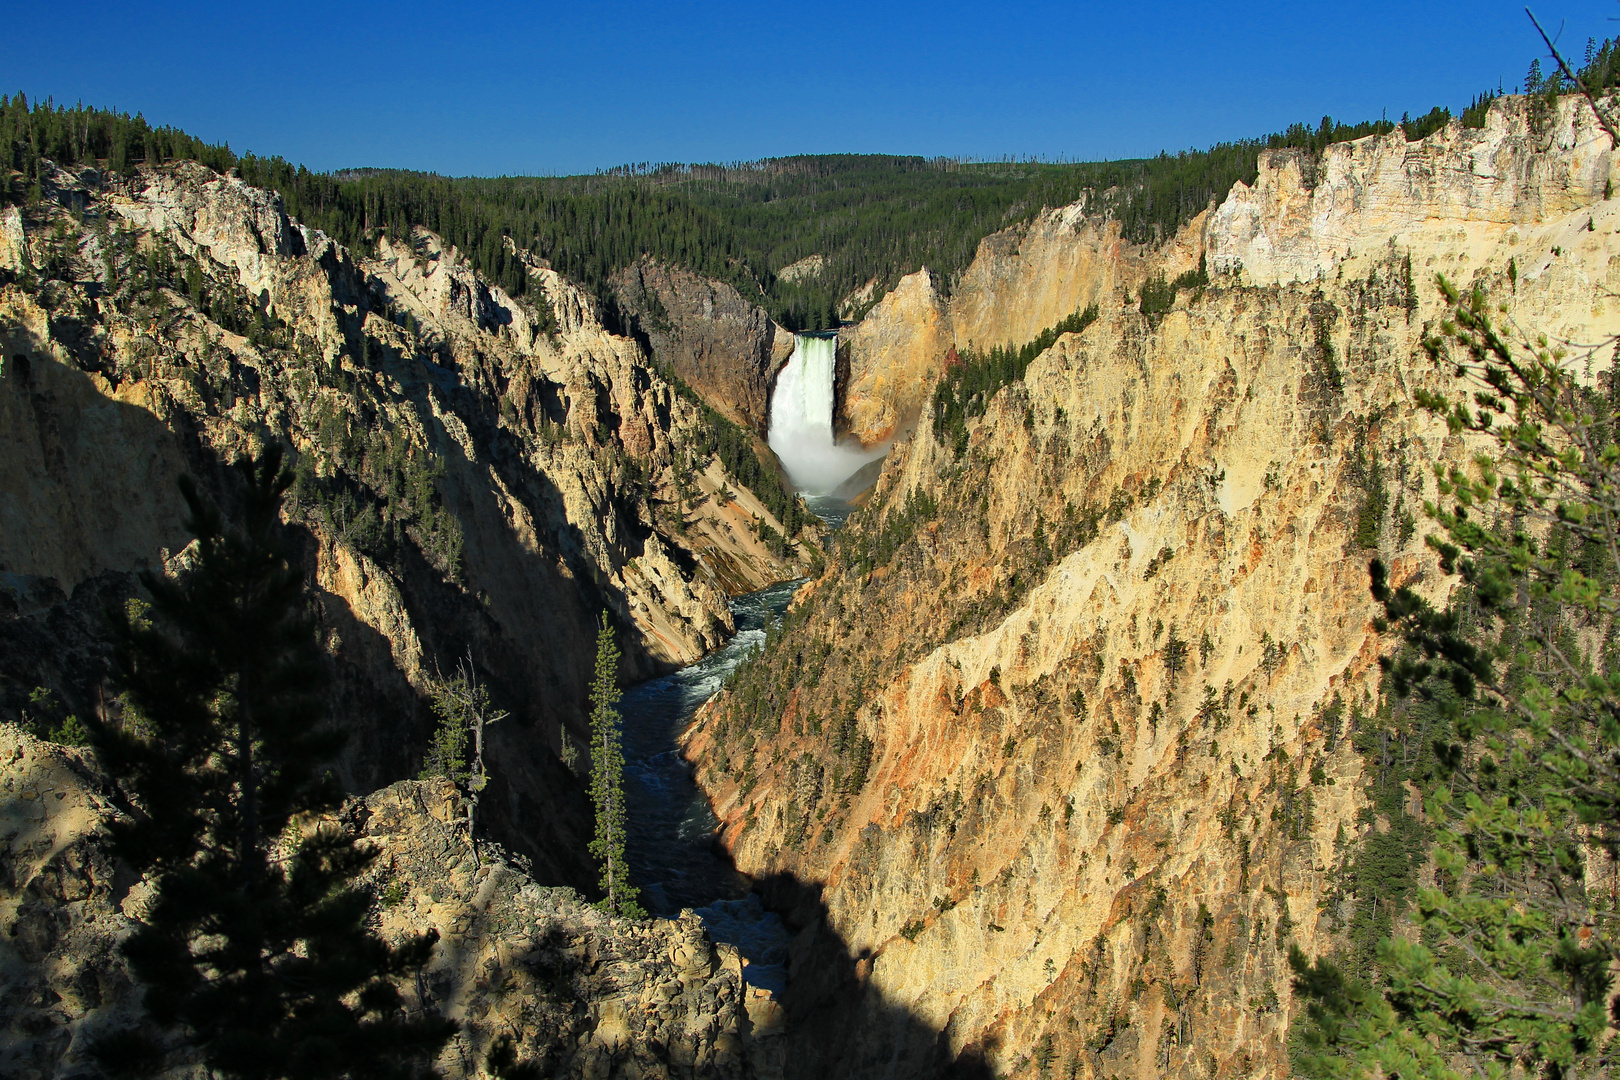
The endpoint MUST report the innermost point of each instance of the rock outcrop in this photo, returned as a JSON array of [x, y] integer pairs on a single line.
[[1304, 219], [61, 981], [894, 356], [1453, 197], [582, 994], [1063, 739], [808, 267], [1021, 281], [726, 348]]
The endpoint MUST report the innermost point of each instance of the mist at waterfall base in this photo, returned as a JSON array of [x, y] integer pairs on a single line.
[[671, 830], [801, 428]]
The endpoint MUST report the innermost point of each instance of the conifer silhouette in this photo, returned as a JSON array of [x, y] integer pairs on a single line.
[[254, 951]]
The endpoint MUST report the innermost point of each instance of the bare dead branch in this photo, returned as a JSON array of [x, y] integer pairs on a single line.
[[1580, 84]]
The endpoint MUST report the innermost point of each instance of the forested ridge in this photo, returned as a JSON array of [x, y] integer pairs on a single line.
[[871, 217]]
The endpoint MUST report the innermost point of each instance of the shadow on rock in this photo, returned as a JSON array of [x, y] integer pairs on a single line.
[[838, 1023]]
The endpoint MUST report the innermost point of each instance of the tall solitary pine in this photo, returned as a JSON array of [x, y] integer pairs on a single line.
[[607, 777], [254, 952]]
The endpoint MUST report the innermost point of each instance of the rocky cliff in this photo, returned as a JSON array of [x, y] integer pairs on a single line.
[[1305, 217], [706, 334], [477, 476], [1062, 742], [1021, 281], [893, 357], [583, 995]]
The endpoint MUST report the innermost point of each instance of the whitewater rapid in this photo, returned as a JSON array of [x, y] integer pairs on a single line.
[[801, 428], [671, 837]]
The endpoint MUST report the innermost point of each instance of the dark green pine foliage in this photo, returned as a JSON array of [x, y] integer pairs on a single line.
[[1507, 723], [30, 134], [254, 951], [870, 216], [607, 777], [965, 389], [1159, 295], [1601, 68], [876, 547]]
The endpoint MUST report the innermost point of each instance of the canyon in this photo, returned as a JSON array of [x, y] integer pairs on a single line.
[[1053, 755], [477, 478], [468, 481], [1059, 753]]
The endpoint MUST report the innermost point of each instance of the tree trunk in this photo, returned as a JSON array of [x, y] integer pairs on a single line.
[[477, 780]]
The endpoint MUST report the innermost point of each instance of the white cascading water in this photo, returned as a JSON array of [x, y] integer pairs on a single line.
[[801, 430]]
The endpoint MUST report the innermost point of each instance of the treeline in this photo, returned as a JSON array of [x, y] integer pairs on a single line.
[[965, 389], [30, 134], [1599, 70], [869, 216], [586, 230]]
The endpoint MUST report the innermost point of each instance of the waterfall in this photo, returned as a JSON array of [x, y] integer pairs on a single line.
[[801, 428]]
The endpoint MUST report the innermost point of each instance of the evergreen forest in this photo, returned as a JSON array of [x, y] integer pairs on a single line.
[[870, 217]]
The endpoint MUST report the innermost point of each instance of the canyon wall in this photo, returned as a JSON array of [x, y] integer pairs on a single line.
[[1304, 219], [705, 333], [477, 476], [1057, 756], [1021, 281], [892, 358]]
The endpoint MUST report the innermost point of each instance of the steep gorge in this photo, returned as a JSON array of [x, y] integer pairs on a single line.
[[1057, 756], [476, 476], [1047, 768]]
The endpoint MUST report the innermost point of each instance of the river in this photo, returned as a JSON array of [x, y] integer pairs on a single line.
[[671, 835], [671, 846]]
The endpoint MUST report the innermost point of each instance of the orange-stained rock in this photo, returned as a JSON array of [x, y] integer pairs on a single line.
[[1069, 834]]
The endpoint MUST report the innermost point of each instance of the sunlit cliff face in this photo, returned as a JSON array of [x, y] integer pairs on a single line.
[[1066, 750]]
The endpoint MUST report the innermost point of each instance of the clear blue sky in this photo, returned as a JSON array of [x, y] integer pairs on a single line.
[[540, 87]]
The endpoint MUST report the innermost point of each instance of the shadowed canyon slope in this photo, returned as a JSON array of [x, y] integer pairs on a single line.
[[476, 475], [705, 333], [584, 993], [1063, 738]]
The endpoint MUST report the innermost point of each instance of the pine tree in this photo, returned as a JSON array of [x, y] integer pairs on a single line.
[[254, 953], [607, 777], [1513, 973]]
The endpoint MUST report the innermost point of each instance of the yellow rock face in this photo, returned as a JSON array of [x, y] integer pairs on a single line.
[[894, 356], [60, 981], [1021, 281], [1459, 200], [1107, 776]]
